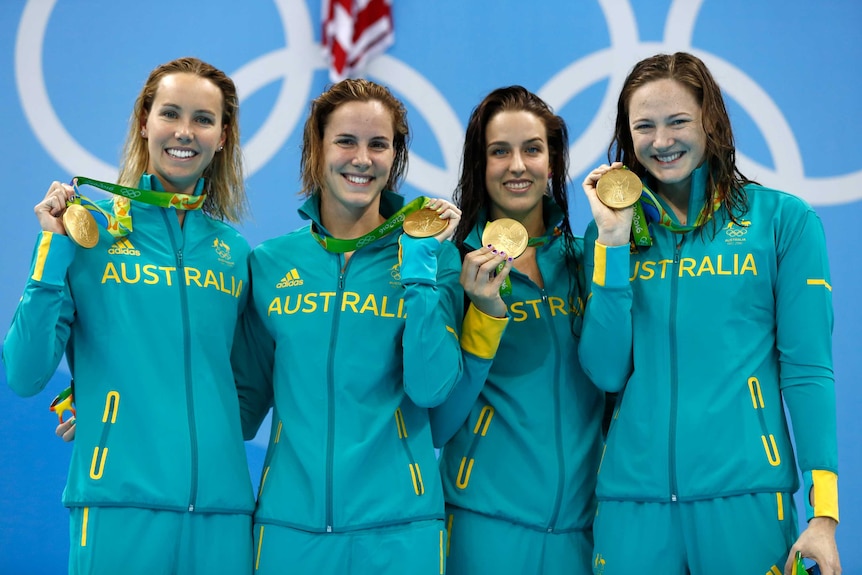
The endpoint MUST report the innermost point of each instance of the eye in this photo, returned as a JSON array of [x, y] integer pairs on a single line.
[[168, 113], [533, 150], [497, 152], [206, 120], [641, 127], [379, 145], [344, 142]]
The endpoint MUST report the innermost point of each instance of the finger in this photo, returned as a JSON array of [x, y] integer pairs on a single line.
[[502, 274]]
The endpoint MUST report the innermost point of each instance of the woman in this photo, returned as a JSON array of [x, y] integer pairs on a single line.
[[522, 432], [721, 315], [146, 318], [351, 338]]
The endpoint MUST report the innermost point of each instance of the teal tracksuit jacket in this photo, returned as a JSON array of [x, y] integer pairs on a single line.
[[527, 448], [705, 334], [350, 356], [146, 322]]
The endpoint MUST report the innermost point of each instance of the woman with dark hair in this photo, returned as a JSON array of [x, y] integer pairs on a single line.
[[709, 313], [521, 434], [146, 316], [353, 330]]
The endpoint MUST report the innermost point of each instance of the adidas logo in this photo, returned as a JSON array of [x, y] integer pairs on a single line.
[[290, 279], [123, 247]]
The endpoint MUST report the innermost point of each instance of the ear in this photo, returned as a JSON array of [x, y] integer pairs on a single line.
[[223, 138]]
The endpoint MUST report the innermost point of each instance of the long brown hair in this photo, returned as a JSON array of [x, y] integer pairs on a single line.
[[351, 90], [225, 184], [471, 195], [724, 180]]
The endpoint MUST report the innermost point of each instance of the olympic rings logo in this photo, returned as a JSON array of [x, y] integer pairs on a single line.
[[298, 62], [735, 232], [364, 241]]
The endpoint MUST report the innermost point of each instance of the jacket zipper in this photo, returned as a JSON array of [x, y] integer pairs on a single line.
[[330, 388], [674, 371], [190, 400], [558, 432]]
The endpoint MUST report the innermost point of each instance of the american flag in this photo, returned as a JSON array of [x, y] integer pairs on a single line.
[[354, 31]]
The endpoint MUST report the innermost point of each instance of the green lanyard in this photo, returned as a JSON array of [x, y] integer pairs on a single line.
[[340, 246], [506, 288], [640, 223], [118, 221]]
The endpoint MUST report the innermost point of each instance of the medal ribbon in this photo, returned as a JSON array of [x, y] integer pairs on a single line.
[[648, 209], [340, 246], [118, 221], [506, 288]]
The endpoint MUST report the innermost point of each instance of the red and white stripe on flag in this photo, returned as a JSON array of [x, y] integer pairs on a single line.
[[354, 31]]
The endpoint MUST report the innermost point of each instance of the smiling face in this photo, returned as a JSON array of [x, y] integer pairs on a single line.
[[518, 162], [358, 156], [183, 130], [667, 133]]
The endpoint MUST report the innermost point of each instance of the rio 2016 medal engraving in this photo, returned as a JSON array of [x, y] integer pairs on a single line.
[[619, 188], [506, 235], [81, 226], [424, 223]]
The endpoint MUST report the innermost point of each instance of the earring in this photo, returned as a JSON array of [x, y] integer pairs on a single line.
[[220, 148], [143, 132]]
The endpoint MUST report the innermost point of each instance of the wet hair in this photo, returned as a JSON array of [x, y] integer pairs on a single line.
[[472, 196], [224, 181], [725, 180], [350, 90]]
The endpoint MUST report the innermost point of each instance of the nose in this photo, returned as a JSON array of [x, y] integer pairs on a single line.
[[183, 132], [361, 159], [516, 165], [663, 138]]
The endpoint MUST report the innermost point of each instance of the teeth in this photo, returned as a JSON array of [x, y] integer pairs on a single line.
[[669, 157], [180, 153], [358, 179], [518, 185]]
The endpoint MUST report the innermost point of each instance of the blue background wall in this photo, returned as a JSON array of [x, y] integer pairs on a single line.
[[72, 68]]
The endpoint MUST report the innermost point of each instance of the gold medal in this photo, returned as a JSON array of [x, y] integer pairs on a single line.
[[424, 223], [506, 235], [81, 226], [619, 188]]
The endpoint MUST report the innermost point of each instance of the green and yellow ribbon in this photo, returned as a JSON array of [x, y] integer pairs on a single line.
[[394, 222], [118, 221]]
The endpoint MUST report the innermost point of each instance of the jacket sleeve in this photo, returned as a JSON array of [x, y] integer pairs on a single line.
[[480, 337], [433, 300], [252, 359], [605, 348], [37, 338], [804, 320]]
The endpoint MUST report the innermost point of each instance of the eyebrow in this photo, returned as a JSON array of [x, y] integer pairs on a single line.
[[178, 107], [505, 143], [351, 135]]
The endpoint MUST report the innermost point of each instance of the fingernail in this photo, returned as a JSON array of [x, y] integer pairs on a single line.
[[490, 247], [511, 259], [494, 251], [503, 254]]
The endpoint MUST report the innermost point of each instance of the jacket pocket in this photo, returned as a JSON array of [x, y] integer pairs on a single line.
[[770, 447], [465, 468], [415, 472], [109, 418]]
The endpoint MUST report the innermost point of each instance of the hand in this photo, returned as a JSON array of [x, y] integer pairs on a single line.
[[817, 542], [66, 430], [50, 210], [447, 211], [614, 225], [482, 281]]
